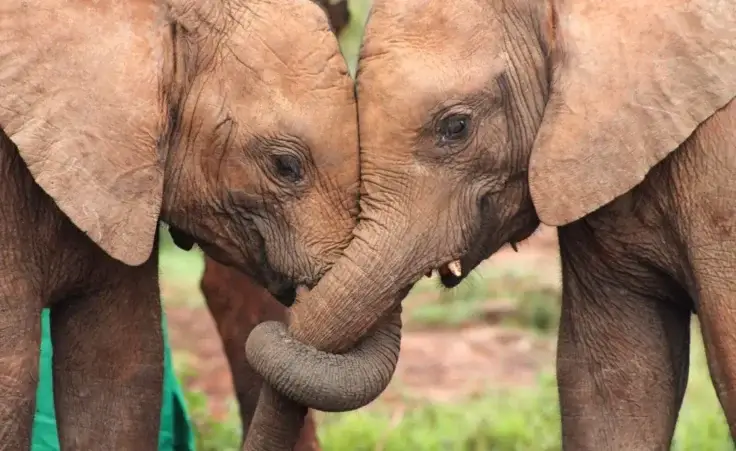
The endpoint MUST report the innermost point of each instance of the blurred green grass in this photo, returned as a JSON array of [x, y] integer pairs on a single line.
[[527, 304], [353, 34]]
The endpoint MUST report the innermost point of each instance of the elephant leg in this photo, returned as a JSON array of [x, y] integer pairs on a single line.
[[20, 342], [718, 327], [108, 363], [622, 358], [238, 304]]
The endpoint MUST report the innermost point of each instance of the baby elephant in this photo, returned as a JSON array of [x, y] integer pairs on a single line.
[[237, 304], [213, 116], [615, 122]]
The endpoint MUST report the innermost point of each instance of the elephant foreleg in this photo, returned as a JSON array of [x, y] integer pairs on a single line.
[[108, 363], [20, 341], [717, 317], [622, 359]]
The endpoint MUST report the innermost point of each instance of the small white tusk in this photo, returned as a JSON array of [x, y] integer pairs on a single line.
[[455, 268]]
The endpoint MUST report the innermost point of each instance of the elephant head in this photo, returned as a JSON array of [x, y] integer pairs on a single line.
[[234, 122], [479, 118]]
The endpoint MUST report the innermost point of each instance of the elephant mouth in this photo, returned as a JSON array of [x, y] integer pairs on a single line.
[[279, 285], [451, 274], [280, 288], [286, 295]]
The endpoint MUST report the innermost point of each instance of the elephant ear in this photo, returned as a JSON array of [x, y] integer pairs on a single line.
[[632, 80], [79, 98]]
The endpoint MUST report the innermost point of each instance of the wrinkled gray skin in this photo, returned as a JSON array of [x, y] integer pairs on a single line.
[[217, 117], [611, 120]]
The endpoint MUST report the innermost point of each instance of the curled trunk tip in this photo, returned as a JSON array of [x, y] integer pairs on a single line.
[[321, 380]]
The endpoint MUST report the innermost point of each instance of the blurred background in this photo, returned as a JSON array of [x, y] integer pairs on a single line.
[[476, 370]]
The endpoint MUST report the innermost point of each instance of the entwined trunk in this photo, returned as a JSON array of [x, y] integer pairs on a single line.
[[358, 293]]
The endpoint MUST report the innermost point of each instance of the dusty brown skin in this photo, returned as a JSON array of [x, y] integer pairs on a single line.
[[479, 118], [238, 304], [213, 116]]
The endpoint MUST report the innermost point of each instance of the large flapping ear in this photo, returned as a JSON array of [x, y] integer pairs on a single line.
[[632, 80], [79, 98]]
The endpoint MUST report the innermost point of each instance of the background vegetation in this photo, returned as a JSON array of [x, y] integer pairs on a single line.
[[514, 301]]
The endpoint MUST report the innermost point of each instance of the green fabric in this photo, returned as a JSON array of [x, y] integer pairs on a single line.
[[175, 434]]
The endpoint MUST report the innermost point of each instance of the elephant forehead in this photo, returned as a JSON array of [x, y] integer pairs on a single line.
[[437, 27], [291, 84], [283, 72], [310, 109], [290, 37], [408, 87], [290, 58], [421, 54]]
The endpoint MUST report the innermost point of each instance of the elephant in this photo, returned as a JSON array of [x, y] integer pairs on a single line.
[[216, 118], [614, 122], [238, 303]]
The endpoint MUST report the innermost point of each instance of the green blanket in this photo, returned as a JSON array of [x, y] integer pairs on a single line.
[[176, 431]]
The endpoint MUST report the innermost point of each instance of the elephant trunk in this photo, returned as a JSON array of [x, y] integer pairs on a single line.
[[363, 287], [276, 423], [330, 382], [326, 381], [318, 364]]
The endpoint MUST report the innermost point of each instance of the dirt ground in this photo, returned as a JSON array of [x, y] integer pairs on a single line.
[[435, 365]]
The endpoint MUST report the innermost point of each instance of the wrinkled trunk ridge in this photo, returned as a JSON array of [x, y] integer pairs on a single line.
[[327, 319]]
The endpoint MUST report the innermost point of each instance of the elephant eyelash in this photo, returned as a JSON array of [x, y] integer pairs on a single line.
[[266, 144], [280, 153], [471, 106]]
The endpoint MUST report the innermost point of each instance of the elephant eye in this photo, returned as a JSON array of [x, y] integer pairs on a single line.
[[288, 168], [454, 127]]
